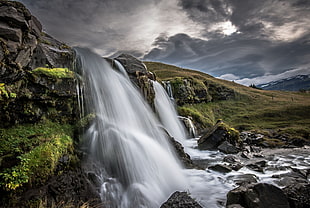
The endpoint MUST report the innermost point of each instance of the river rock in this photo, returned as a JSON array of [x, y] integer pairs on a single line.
[[244, 179], [221, 168], [180, 200], [217, 136], [298, 195], [258, 166], [259, 195], [227, 148]]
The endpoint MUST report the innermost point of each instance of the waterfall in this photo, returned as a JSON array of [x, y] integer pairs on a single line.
[[168, 89], [120, 68], [140, 168], [167, 114], [189, 125]]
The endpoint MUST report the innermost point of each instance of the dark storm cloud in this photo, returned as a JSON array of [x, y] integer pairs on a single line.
[[100, 24], [229, 38], [233, 54]]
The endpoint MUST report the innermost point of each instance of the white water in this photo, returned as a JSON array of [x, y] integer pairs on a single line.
[[167, 114], [140, 169], [121, 68]]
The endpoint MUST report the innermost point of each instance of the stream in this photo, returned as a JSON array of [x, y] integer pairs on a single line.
[[209, 187]]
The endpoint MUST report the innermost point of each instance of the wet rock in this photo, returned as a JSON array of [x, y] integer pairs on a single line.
[[259, 195], [221, 168], [227, 148], [295, 177], [258, 166], [217, 136], [233, 162], [180, 200], [183, 156], [298, 195], [244, 179]]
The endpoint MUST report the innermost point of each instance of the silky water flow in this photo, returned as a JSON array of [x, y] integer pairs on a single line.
[[139, 167]]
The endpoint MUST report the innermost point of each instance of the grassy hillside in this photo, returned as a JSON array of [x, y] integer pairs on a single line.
[[251, 109]]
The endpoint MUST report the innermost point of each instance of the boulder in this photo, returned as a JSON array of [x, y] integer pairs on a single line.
[[258, 166], [180, 200], [298, 195], [217, 136], [132, 64], [243, 179], [220, 168], [259, 195], [228, 148]]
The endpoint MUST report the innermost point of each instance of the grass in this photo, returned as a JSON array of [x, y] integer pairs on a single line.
[[29, 153], [251, 109]]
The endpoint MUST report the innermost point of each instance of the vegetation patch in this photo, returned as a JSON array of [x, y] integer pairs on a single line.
[[30, 153], [241, 107], [5, 92], [54, 72]]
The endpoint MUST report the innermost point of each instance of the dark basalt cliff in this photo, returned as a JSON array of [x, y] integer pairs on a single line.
[[36, 81]]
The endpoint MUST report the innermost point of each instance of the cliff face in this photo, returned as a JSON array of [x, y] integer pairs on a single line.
[[36, 81]]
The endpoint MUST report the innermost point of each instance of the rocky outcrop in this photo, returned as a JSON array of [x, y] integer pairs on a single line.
[[192, 90], [27, 93], [259, 195], [180, 200], [221, 137], [189, 90]]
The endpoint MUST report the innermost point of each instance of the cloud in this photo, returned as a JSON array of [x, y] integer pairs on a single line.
[[230, 77], [111, 25], [236, 54], [243, 38], [303, 70]]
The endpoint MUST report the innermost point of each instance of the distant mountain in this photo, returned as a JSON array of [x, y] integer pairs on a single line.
[[294, 83]]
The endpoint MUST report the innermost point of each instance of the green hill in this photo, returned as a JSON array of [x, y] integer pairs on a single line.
[[244, 108]]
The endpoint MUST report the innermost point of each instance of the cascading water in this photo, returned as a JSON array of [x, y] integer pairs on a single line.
[[167, 114], [121, 68], [140, 168]]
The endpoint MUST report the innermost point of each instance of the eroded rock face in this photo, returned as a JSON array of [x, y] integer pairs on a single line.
[[25, 95]]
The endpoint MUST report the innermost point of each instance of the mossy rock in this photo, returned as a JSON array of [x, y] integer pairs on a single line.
[[57, 73], [220, 133]]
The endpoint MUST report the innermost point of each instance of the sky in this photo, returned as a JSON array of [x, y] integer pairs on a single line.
[[248, 41]]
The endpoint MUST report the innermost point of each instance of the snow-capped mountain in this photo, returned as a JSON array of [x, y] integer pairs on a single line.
[[294, 83]]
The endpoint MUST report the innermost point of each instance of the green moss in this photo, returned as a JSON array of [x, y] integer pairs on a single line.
[[6, 92], [54, 72], [3, 92], [36, 150]]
